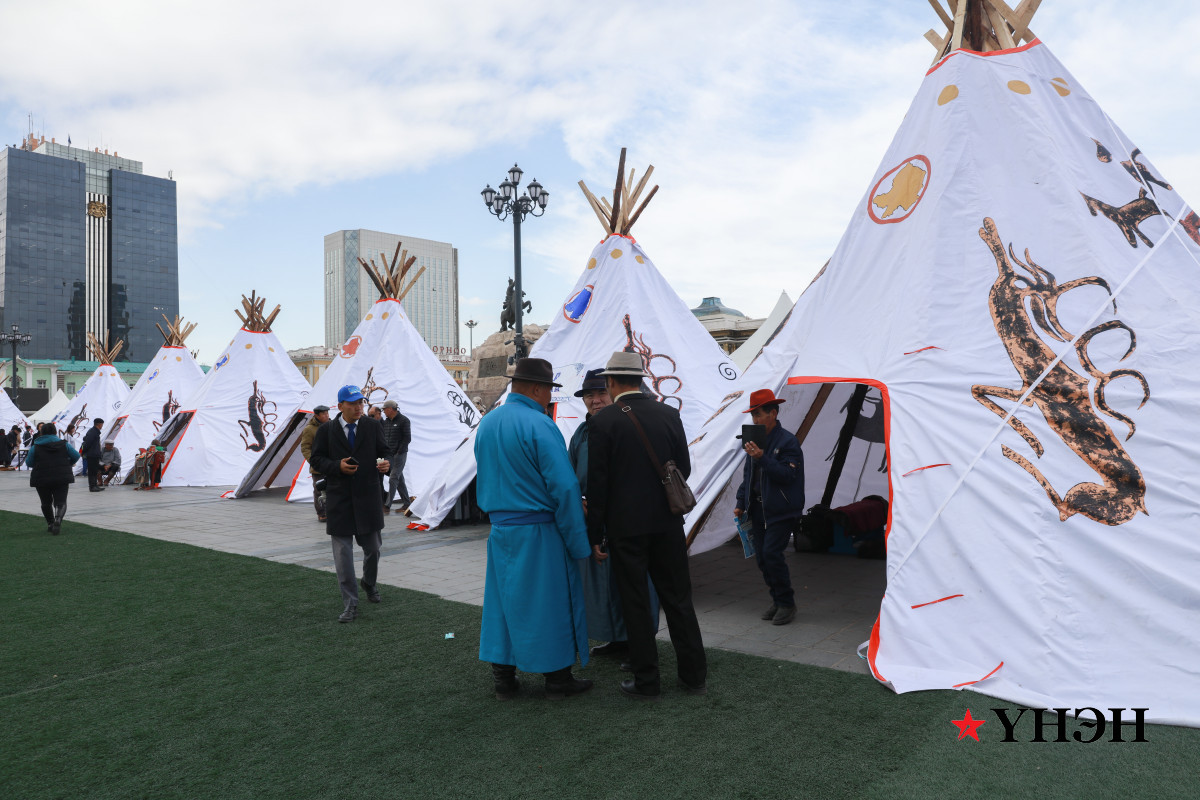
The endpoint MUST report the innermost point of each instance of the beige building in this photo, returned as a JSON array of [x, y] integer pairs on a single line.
[[312, 361], [728, 326]]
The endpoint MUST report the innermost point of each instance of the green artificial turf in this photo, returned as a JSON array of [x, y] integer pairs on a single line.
[[136, 668]]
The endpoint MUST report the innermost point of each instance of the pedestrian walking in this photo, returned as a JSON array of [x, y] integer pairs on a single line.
[[50, 460], [397, 433], [91, 453]]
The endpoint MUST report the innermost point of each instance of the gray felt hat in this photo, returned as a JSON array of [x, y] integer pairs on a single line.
[[625, 365]]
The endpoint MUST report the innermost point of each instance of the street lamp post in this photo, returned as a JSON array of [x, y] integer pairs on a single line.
[[503, 204], [471, 333], [15, 338]]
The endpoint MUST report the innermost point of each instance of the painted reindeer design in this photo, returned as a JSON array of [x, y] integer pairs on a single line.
[[1063, 396], [261, 420], [169, 408], [636, 343], [369, 388], [78, 418]]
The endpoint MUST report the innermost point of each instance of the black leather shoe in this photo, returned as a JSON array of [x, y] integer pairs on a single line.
[[560, 687], [626, 666], [95, 489], [694, 691], [54, 527], [349, 614], [770, 612], [629, 689], [372, 592], [785, 615], [610, 649], [505, 683]]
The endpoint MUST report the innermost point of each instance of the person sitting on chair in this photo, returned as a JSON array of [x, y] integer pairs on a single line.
[[110, 464]]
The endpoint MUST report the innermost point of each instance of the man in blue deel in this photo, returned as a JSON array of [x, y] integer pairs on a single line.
[[533, 611]]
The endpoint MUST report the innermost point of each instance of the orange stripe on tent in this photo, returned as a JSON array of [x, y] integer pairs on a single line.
[[984, 678], [952, 53], [923, 349], [918, 469], [939, 600], [177, 444]]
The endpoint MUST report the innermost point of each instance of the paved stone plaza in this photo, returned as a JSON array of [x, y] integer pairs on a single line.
[[837, 596]]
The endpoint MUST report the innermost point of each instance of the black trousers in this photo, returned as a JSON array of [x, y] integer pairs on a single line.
[[52, 496], [662, 556], [93, 469]]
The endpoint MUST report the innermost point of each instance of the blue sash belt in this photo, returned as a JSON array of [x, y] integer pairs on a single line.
[[520, 517]]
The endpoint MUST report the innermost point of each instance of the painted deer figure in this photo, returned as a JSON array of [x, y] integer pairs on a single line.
[[636, 343], [169, 408], [1063, 396], [261, 420]]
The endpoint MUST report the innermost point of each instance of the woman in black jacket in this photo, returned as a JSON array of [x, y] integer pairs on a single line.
[[51, 460]]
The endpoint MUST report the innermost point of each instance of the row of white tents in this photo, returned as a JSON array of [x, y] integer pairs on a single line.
[[998, 345]]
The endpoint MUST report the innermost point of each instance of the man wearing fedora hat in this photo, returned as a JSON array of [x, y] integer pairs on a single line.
[[772, 491], [533, 610], [605, 619], [628, 504]]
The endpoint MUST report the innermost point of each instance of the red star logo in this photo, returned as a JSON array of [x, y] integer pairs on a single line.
[[968, 726], [351, 346]]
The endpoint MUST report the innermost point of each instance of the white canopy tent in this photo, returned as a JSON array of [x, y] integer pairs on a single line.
[[49, 411]]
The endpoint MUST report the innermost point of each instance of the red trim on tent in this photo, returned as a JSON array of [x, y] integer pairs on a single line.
[[923, 349], [417, 526], [873, 646], [250, 331], [174, 347], [984, 678], [386, 300], [952, 53], [918, 469], [292, 488], [939, 600], [623, 236]]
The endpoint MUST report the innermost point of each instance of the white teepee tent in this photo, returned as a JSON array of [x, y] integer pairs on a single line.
[[9, 413], [619, 302], [387, 358], [101, 397], [233, 415], [49, 411], [1018, 284], [168, 381]]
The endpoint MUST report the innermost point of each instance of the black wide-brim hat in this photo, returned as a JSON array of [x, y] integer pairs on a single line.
[[535, 370], [591, 382]]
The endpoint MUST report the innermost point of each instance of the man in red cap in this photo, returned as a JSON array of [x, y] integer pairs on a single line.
[[772, 492]]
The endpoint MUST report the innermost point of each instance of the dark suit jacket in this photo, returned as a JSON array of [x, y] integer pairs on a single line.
[[625, 495], [353, 503], [90, 447]]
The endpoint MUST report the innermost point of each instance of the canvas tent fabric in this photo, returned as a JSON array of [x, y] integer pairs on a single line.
[[9, 413], [744, 355], [1017, 254], [234, 414], [102, 396], [49, 411], [163, 388], [619, 302], [387, 358]]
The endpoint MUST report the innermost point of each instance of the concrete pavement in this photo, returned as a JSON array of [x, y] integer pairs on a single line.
[[837, 596]]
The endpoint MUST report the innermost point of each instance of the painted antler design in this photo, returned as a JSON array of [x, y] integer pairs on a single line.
[[636, 343], [261, 422]]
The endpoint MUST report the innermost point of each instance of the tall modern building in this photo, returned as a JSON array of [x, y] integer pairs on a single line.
[[87, 244], [432, 305]]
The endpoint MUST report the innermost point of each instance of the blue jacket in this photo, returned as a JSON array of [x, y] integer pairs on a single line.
[[781, 477], [50, 459]]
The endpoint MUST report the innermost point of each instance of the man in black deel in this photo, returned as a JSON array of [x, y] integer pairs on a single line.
[[349, 451], [627, 503], [90, 450]]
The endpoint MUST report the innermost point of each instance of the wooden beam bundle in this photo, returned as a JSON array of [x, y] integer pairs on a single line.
[[175, 334], [615, 216], [102, 351], [254, 320], [389, 279], [983, 26]]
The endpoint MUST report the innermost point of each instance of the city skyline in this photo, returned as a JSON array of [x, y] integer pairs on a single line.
[[765, 130]]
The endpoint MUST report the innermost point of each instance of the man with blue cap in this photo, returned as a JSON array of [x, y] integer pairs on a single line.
[[350, 452]]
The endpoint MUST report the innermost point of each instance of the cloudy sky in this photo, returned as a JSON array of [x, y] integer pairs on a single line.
[[765, 122]]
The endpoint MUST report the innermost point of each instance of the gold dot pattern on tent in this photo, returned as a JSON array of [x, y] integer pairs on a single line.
[[591, 263], [948, 94], [272, 349], [384, 315], [639, 259], [616, 253], [1020, 87], [248, 346], [1060, 86], [370, 316], [177, 358]]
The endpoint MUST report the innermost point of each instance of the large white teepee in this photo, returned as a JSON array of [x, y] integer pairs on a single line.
[[9, 413], [234, 414], [1019, 285], [619, 302], [101, 397], [387, 358], [49, 411], [170, 378]]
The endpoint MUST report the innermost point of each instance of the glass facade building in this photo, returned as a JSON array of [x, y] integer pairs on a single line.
[[88, 244], [432, 305]]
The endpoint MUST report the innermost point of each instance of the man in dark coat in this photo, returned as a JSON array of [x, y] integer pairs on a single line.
[[627, 502], [397, 432], [91, 451], [51, 460], [772, 493], [349, 451]]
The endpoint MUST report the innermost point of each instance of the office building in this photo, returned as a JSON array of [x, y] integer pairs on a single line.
[[87, 244], [432, 305]]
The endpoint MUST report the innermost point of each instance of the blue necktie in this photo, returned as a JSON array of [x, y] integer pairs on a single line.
[[350, 434]]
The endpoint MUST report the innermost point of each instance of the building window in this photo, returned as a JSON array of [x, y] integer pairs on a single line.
[[41, 384], [70, 388]]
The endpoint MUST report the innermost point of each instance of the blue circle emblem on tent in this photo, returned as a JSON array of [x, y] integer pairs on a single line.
[[577, 306], [222, 361], [152, 376]]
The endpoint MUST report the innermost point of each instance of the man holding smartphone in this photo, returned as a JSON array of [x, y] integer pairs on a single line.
[[350, 452]]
